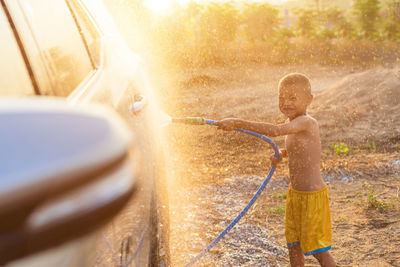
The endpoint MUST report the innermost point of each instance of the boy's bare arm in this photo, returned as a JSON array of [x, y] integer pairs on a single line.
[[297, 125]]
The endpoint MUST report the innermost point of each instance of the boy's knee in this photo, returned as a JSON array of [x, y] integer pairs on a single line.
[[325, 259], [320, 256], [317, 256]]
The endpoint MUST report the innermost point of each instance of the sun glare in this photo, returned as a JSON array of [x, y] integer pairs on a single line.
[[165, 6], [159, 6]]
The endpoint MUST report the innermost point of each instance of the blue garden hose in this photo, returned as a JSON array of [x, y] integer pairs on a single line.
[[202, 121]]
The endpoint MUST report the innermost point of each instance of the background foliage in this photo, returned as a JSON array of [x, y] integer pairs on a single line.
[[366, 32]]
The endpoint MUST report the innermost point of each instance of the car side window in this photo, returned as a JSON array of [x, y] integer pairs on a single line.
[[14, 76], [60, 41], [88, 29]]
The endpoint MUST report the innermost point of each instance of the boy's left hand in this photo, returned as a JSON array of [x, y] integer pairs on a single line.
[[226, 124], [275, 161]]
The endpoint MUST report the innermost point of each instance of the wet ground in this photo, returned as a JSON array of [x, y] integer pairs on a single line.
[[208, 210]]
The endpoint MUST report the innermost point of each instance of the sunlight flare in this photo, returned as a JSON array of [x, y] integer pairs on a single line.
[[162, 7]]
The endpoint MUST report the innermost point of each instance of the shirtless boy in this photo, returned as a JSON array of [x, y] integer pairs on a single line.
[[308, 228]]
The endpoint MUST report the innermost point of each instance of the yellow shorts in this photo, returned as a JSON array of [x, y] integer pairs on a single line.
[[308, 220]]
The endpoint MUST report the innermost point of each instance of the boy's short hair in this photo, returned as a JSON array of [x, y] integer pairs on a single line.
[[298, 80]]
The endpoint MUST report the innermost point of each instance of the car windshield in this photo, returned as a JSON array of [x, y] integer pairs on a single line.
[[14, 77]]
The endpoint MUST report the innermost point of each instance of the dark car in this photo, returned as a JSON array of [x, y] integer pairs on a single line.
[[71, 49]]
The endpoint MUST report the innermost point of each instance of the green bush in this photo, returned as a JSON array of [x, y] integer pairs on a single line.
[[341, 149]]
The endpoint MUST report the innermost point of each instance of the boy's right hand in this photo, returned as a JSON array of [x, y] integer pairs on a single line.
[[275, 161], [228, 124]]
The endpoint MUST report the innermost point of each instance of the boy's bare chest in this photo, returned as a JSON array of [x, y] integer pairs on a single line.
[[303, 146], [296, 143]]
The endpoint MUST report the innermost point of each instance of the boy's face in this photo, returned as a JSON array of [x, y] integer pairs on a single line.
[[293, 102]]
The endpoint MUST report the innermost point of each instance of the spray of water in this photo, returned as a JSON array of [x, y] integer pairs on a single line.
[[165, 119]]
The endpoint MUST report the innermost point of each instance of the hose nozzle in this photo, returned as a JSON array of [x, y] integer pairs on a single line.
[[190, 120]]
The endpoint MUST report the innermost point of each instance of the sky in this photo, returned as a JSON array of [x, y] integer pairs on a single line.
[[163, 6]]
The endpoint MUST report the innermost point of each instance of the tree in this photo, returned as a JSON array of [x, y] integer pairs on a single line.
[[391, 24], [219, 23], [367, 12], [260, 21], [336, 21], [307, 22]]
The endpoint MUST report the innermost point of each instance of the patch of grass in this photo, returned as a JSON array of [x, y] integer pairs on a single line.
[[369, 147], [340, 219], [365, 185], [380, 205], [279, 195], [395, 201], [341, 149], [278, 210], [349, 201], [358, 194], [374, 202]]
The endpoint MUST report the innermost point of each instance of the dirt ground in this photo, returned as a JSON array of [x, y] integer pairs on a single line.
[[214, 174]]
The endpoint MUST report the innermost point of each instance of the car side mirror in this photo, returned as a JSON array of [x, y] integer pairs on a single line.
[[64, 172]]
